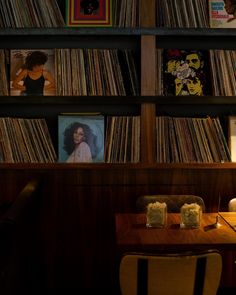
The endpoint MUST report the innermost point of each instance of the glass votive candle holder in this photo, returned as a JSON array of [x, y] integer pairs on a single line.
[[156, 215], [191, 215]]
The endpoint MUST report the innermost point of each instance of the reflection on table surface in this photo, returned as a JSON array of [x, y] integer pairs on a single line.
[[230, 218]]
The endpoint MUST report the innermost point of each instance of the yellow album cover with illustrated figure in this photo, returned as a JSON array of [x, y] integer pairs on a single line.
[[186, 72]]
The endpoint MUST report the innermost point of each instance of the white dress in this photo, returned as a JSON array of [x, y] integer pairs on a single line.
[[81, 153]]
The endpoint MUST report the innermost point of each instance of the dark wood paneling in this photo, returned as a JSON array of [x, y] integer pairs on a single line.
[[76, 231]]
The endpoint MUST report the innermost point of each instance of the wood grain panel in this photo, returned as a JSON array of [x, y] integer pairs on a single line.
[[76, 231], [148, 133], [148, 13], [148, 65]]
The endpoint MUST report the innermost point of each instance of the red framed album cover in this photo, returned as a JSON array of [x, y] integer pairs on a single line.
[[88, 13]]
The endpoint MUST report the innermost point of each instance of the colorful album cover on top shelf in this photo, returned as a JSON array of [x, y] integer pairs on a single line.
[[32, 72], [81, 138], [222, 13], [96, 13], [186, 72]]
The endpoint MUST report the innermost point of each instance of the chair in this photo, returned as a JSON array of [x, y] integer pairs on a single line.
[[168, 274], [232, 205], [173, 202]]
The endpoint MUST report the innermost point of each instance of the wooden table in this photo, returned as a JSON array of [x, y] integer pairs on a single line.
[[230, 218], [133, 235]]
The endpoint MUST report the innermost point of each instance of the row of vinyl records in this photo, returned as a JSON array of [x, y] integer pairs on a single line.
[[125, 13], [52, 13], [74, 71], [195, 13], [78, 72], [114, 139], [96, 72], [182, 13]]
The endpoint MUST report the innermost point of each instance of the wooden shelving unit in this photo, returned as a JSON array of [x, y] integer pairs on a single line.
[[76, 240]]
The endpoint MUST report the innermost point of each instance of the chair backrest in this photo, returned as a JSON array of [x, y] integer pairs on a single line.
[[179, 274], [232, 205], [173, 202]]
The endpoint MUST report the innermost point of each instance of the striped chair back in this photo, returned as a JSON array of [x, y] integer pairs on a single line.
[[170, 274]]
